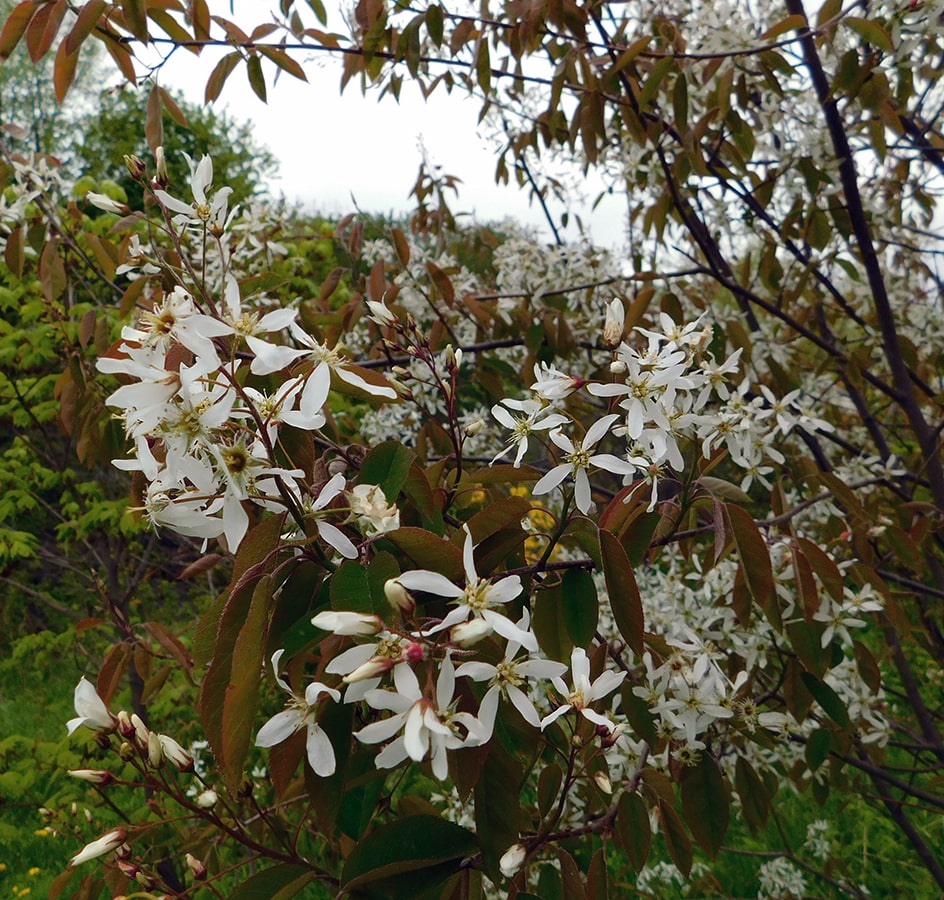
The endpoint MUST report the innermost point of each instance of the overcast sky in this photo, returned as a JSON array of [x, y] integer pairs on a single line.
[[332, 148]]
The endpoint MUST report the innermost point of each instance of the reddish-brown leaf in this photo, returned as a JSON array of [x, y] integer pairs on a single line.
[[14, 254], [623, 591], [15, 26], [154, 122], [112, 671], [43, 28], [63, 72], [85, 22], [222, 71], [135, 13]]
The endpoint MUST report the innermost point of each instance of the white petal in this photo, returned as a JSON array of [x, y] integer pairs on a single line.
[[551, 480], [333, 535], [415, 735], [280, 727], [320, 752], [430, 583]]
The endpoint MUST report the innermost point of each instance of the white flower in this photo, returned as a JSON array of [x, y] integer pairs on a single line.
[[301, 713], [584, 693], [429, 725], [512, 859], [90, 709], [112, 840], [614, 323], [506, 678], [476, 600], [373, 513], [534, 416], [209, 212], [578, 460]]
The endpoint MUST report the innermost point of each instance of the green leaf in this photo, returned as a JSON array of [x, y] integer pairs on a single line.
[[827, 698], [428, 551], [571, 882], [256, 78], [755, 800], [705, 804], [676, 840], [871, 32], [549, 783], [409, 845], [658, 72], [497, 807], [387, 464], [817, 748], [580, 606], [547, 622], [280, 882], [623, 591], [633, 828]]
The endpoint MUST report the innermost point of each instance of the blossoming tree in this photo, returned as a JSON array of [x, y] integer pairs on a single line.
[[544, 560]]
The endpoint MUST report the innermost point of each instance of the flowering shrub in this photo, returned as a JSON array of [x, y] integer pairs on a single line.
[[637, 552]]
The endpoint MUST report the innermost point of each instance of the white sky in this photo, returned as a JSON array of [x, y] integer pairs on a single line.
[[332, 147]]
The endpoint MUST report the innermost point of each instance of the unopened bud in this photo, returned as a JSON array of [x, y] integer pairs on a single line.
[[618, 367], [475, 427], [613, 326], [141, 731], [465, 634], [603, 782], [161, 178], [373, 668], [400, 372], [412, 652], [105, 203], [135, 165], [75, 809], [348, 623], [126, 751], [92, 776], [88, 815], [125, 728], [155, 752], [175, 753], [398, 596], [207, 799], [196, 867], [513, 859], [129, 870]]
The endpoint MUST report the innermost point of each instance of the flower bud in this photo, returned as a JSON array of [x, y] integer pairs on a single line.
[[75, 809], [125, 728], [603, 782], [196, 867], [105, 844], [618, 367], [126, 751], [135, 166], [475, 427], [92, 776], [513, 859], [207, 799], [141, 732], [105, 203], [348, 623], [412, 652], [465, 634], [88, 815], [401, 372], [398, 596], [161, 178], [154, 749], [373, 668], [613, 326], [175, 753]]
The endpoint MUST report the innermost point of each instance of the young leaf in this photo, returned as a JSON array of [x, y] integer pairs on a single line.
[[623, 591], [633, 828], [705, 804]]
